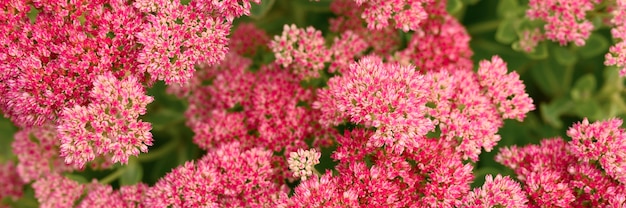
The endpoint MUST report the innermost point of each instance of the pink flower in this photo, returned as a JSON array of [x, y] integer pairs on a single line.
[[108, 126], [565, 19], [37, 150], [10, 182], [57, 191], [407, 14], [301, 50], [302, 163], [506, 91], [99, 195], [247, 39], [617, 53], [388, 97], [176, 37], [602, 141], [228, 176], [447, 46], [498, 191]]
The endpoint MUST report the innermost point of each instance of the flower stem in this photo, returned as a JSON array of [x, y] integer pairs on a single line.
[[113, 176], [483, 27]]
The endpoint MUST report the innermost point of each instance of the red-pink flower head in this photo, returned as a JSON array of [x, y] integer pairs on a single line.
[[228, 176], [506, 91], [99, 195], [37, 150], [345, 48], [108, 126], [405, 14], [565, 19], [176, 37], [496, 192], [617, 53], [10, 182], [51, 64], [57, 191], [247, 39], [302, 50], [389, 97], [602, 141], [442, 43], [382, 41]]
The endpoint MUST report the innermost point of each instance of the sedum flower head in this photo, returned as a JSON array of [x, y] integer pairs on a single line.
[[302, 163], [109, 126]]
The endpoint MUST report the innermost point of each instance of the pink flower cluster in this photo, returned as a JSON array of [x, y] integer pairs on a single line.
[[565, 19], [108, 126], [589, 170], [55, 190], [227, 176], [10, 182], [37, 150], [617, 52], [405, 14]]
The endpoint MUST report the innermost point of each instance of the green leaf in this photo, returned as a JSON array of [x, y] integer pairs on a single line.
[[133, 173], [77, 178], [506, 31], [590, 109], [454, 6], [317, 6], [551, 112], [257, 11], [506, 8], [583, 88], [594, 46], [563, 55]]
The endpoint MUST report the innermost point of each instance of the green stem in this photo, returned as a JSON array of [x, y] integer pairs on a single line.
[[113, 176], [158, 153], [483, 27], [567, 79]]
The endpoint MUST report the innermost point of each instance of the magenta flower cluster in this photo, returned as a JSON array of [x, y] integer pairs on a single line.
[[406, 124]]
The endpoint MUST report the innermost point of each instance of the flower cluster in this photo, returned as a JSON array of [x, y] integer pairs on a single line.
[[565, 19], [587, 170], [301, 163], [108, 126], [617, 52]]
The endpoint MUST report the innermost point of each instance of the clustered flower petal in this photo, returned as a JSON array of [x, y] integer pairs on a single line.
[[37, 150], [99, 195], [229, 175], [302, 50], [109, 126], [405, 14], [506, 91], [10, 182], [177, 36], [603, 141], [586, 170], [565, 19], [55, 190], [617, 53], [497, 192], [302, 163], [388, 97]]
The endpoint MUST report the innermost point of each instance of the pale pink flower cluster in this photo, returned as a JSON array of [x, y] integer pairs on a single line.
[[10, 182], [55, 190], [108, 126], [617, 52], [447, 48], [37, 150], [506, 91], [177, 36], [585, 171], [227, 176], [383, 41], [302, 50], [496, 192], [302, 163], [565, 19], [404, 14], [388, 97], [530, 39], [604, 142]]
